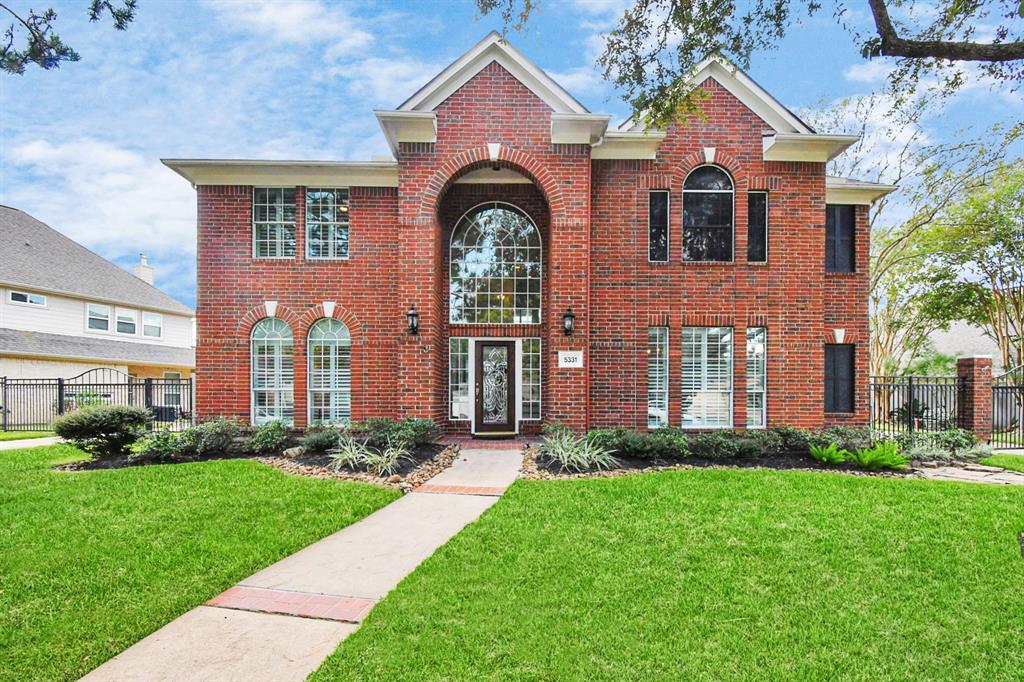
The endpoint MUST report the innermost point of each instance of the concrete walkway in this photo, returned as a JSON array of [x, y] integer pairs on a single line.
[[282, 622], [28, 443]]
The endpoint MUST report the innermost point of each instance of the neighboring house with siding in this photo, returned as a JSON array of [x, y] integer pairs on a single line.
[[65, 310], [522, 261]]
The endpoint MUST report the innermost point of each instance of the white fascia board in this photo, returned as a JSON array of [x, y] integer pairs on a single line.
[[628, 145], [286, 173], [493, 48], [578, 128], [407, 126], [805, 147], [845, 191]]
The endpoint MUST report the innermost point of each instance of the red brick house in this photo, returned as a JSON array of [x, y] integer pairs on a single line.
[[523, 261]]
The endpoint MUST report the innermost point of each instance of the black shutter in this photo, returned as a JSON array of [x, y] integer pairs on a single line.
[[757, 227], [839, 377], [657, 227], [839, 232]]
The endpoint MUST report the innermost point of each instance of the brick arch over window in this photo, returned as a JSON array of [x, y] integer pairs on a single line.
[[257, 313], [479, 157], [317, 312], [723, 160]]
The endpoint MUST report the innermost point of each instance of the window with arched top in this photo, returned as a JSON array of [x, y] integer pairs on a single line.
[[330, 373], [273, 372], [707, 215], [495, 267]]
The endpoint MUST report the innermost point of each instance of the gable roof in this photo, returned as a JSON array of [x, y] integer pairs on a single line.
[[37, 257], [41, 344], [493, 48]]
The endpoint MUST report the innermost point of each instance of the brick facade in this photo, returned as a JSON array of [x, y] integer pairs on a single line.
[[592, 217]]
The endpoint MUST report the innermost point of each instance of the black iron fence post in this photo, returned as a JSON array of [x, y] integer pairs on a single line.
[[910, 404], [148, 395], [3, 400], [60, 396]]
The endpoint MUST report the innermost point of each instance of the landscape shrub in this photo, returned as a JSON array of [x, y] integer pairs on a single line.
[[157, 446], [103, 430], [215, 437], [726, 444], [883, 455], [949, 445], [793, 439], [378, 432], [566, 451], [268, 439], [850, 438], [663, 444], [353, 453], [320, 438], [830, 454]]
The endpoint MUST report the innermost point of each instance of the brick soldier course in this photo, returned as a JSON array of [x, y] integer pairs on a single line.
[[585, 185]]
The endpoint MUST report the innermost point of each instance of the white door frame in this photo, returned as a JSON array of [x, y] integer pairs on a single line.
[[517, 368]]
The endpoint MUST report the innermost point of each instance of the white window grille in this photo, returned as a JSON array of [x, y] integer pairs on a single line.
[[707, 377], [458, 379], [531, 379], [757, 347], [273, 372], [330, 373], [327, 223], [273, 222], [657, 377]]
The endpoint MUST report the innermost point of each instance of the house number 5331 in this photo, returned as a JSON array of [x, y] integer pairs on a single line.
[[570, 358]]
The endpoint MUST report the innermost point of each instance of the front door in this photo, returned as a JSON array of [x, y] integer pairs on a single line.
[[495, 387]]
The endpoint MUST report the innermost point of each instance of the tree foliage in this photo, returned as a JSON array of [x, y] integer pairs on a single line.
[[656, 44], [42, 46]]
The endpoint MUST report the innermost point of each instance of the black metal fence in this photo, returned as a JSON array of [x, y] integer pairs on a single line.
[[1008, 410], [915, 403], [34, 404]]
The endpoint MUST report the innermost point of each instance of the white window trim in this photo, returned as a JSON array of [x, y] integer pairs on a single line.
[[668, 227], [732, 384], [177, 389], [767, 224], [143, 326], [27, 294], [110, 318], [469, 377], [540, 386], [283, 388], [764, 389], [135, 318], [518, 352], [310, 390], [295, 225], [347, 224], [666, 365], [682, 213]]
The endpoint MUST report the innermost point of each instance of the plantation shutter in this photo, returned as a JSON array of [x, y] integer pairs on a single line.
[[839, 378], [657, 227]]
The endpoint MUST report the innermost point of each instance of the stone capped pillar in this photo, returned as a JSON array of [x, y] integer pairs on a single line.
[[975, 405]]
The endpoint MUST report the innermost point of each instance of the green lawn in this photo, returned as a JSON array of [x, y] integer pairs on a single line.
[[91, 562], [1011, 462], [21, 435], [713, 574]]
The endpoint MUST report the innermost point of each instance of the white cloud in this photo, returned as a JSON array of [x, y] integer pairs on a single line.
[[386, 81], [582, 80], [300, 22], [872, 71]]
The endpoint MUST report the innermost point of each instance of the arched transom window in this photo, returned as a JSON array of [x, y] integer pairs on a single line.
[[273, 372], [495, 267], [330, 373], [707, 215]]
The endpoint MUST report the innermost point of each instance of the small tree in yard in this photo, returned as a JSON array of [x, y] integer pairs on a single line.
[[103, 430]]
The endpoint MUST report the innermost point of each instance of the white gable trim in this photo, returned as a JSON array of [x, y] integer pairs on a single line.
[[492, 49]]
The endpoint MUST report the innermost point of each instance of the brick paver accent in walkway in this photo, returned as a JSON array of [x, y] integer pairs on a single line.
[[461, 489], [303, 604]]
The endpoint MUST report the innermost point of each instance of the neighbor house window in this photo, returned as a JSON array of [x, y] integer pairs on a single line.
[[26, 298], [757, 227], [657, 226], [127, 321], [657, 377], [707, 377], [273, 222], [98, 317], [273, 372], [531, 379], [330, 373], [172, 388], [495, 267], [153, 325], [839, 228], [458, 379], [707, 215], [839, 377], [326, 223], [757, 348]]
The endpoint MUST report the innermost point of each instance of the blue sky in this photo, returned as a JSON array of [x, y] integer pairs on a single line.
[[298, 79]]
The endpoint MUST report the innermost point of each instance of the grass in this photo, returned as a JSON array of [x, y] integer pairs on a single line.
[[21, 435], [91, 562], [713, 574], [1011, 462]]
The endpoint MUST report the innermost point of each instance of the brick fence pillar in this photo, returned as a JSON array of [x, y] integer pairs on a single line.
[[975, 406]]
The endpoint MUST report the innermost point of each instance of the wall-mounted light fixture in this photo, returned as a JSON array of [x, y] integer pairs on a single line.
[[414, 320], [568, 322]]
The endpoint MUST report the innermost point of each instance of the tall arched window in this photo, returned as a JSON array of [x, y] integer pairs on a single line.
[[495, 267], [330, 372], [707, 215], [273, 372]]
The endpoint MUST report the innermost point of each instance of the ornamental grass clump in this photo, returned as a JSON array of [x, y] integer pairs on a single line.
[[352, 453], [561, 448], [884, 455], [829, 454]]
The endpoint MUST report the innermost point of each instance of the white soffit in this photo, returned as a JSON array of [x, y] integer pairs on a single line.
[[628, 145], [407, 126], [578, 128], [805, 147], [848, 191], [286, 173]]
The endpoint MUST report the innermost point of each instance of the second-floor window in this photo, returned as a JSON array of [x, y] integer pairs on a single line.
[[757, 227], [839, 228], [127, 321], [707, 215], [326, 223], [25, 298], [657, 226], [98, 317], [152, 325], [273, 222]]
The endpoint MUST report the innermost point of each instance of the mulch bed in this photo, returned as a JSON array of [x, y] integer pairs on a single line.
[[533, 469]]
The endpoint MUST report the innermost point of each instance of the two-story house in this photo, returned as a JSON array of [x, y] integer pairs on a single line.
[[521, 260], [64, 310]]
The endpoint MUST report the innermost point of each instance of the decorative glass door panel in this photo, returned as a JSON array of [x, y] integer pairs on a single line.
[[495, 386]]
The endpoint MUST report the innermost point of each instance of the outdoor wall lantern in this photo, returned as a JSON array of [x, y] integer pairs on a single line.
[[414, 320], [568, 321]]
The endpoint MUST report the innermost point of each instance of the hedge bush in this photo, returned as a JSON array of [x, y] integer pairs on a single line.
[[215, 437], [380, 432], [320, 438], [158, 446], [268, 439], [103, 430]]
